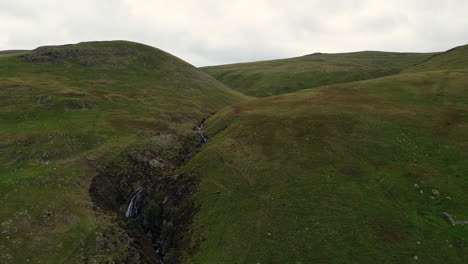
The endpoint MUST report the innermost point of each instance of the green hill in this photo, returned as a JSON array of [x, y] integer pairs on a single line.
[[267, 78], [354, 171], [350, 173], [66, 111], [456, 58]]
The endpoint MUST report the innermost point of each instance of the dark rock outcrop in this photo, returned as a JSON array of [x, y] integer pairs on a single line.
[[84, 56], [161, 212], [452, 221]]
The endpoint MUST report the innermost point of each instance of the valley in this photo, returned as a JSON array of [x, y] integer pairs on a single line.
[[117, 152]]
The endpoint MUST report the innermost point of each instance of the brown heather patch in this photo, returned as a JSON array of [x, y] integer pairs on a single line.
[[355, 99], [106, 94], [130, 123], [244, 107], [352, 171], [15, 85], [256, 104], [98, 82], [181, 116], [377, 163], [420, 173], [387, 233], [451, 118]]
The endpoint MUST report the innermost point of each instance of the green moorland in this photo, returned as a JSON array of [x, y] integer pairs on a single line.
[[267, 78], [356, 172], [349, 173], [452, 59], [65, 112]]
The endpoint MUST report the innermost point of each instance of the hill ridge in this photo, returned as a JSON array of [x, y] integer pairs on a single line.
[[454, 58], [274, 77]]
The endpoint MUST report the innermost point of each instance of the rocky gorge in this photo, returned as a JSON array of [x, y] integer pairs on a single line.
[[143, 190]]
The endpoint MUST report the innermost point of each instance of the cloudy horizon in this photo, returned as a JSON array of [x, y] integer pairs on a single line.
[[211, 32]]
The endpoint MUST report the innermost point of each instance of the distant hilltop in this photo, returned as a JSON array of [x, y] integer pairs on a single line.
[[316, 54]]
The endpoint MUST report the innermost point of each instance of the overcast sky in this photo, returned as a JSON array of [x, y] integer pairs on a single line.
[[209, 32]]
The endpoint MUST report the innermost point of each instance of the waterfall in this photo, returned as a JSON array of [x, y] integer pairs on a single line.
[[199, 130], [134, 205]]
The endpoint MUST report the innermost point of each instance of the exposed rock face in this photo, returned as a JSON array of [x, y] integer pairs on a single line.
[[157, 164], [114, 185], [84, 56], [452, 221], [163, 210]]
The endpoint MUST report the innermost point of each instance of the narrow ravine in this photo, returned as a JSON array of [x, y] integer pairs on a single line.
[[136, 205], [142, 187]]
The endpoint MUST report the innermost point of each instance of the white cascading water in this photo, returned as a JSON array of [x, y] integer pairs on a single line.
[[132, 210], [200, 134]]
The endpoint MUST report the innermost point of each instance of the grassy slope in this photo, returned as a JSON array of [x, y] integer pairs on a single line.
[[266, 78], [452, 59], [62, 118], [7, 52], [339, 174]]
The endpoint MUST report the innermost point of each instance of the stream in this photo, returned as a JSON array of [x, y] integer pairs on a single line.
[[138, 201], [199, 130], [134, 207]]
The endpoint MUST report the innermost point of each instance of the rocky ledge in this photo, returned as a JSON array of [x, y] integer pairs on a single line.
[[86, 56]]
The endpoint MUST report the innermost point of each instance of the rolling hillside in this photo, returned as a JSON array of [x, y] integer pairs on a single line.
[[267, 78], [362, 172], [107, 158], [452, 59], [66, 112]]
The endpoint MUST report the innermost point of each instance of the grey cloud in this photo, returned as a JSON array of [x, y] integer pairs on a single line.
[[206, 32], [383, 24]]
